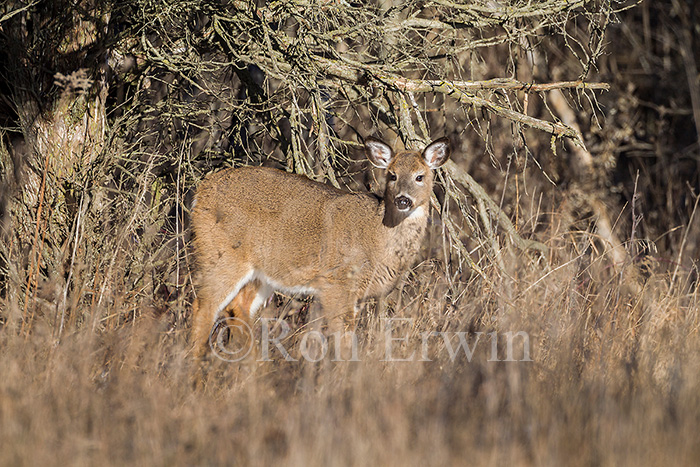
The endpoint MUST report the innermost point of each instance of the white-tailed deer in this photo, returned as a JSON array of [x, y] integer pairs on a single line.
[[258, 230]]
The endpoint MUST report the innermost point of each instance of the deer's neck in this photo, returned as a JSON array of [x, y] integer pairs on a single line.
[[405, 238], [400, 246]]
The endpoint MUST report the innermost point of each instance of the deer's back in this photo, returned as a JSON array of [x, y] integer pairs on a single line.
[[284, 222]]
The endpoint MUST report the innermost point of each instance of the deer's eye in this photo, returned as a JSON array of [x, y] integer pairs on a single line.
[[392, 176], [419, 178]]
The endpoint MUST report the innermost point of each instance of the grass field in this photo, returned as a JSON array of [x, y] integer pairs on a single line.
[[614, 379]]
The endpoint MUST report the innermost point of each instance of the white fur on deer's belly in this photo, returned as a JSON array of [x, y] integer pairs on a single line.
[[269, 286]]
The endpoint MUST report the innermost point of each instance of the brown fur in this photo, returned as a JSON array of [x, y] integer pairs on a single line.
[[306, 236]]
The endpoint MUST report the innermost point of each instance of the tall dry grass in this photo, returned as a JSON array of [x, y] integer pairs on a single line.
[[614, 380]]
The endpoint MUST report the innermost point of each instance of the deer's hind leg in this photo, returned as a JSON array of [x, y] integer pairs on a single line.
[[232, 335], [217, 295]]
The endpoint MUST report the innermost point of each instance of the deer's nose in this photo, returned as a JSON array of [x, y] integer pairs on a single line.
[[403, 203]]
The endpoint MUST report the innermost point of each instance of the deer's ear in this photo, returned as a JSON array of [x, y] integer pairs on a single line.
[[437, 153], [378, 152]]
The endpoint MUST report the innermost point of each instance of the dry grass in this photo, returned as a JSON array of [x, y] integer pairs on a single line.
[[614, 381]]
